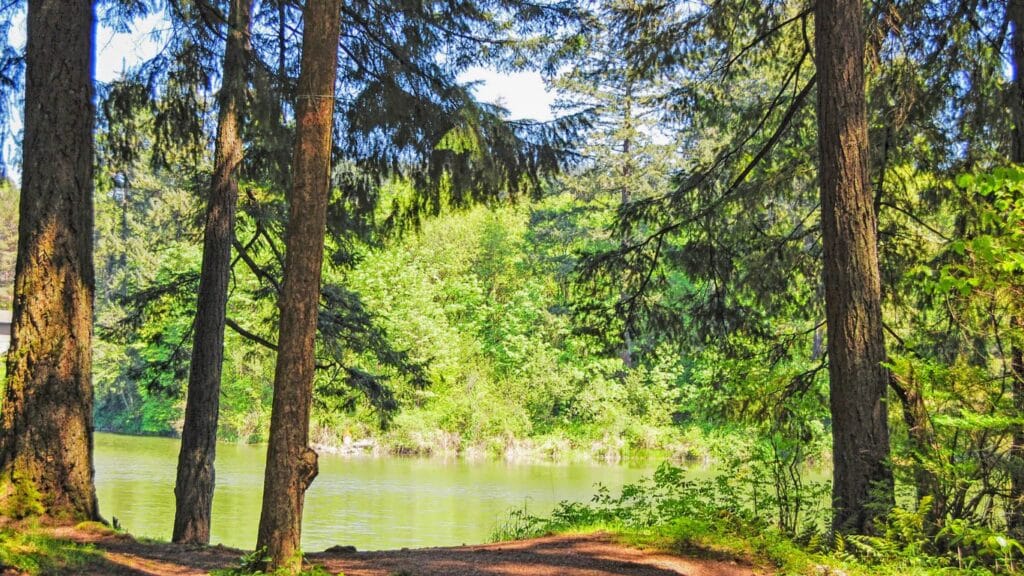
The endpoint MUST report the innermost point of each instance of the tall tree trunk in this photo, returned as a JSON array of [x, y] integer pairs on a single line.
[[624, 198], [1015, 508], [862, 487], [291, 463], [193, 489], [46, 428]]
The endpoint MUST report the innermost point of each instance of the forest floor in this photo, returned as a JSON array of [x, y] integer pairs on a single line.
[[595, 554]]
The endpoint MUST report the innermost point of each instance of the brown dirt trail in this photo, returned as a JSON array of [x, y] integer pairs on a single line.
[[569, 555]]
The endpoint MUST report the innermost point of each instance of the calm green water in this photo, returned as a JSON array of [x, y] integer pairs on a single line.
[[371, 503]]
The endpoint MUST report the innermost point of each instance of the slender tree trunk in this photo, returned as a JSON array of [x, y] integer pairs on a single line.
[[46, 428], [862, 478], [1015, 508], [291, 463], [922, 442], [1015, 13], [282, 43], [193, 489], [624, 198]]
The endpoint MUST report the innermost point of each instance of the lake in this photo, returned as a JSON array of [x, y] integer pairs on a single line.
[[370, 503]]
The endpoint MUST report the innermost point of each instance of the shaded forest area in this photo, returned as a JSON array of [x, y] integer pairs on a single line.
[[779, 234]]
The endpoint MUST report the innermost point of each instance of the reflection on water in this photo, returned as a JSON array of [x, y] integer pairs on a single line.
[[371, 503]]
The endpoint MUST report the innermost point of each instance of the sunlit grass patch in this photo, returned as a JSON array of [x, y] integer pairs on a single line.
[[35, 552], [97, 528]]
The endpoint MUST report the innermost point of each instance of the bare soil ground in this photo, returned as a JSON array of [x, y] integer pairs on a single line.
[[570, 555]]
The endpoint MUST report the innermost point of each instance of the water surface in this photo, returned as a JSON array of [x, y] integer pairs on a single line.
[[371, 503]]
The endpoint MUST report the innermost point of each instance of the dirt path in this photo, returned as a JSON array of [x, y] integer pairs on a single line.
[[573, 555], [576, 555]]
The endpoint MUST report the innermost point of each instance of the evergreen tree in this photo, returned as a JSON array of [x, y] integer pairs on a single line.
[[195, 482], [1015, 513], [291, 463], [631, 151], [46, 428], [862, 481]]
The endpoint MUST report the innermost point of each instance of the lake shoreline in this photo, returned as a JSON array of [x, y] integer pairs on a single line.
[[539, 450]]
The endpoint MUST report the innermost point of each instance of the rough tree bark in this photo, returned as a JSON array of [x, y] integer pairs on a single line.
[[193, 489], [291, 463], [862, 487], [46, 428], [1015, 509]]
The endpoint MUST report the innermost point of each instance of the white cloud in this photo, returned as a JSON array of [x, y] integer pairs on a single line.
[[116, 52], [522, 93]]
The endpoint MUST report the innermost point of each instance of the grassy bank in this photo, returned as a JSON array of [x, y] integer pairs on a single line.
[[32, 551], [737, 516]]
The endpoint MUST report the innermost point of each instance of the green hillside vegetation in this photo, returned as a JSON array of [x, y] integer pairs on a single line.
[[481, 298]]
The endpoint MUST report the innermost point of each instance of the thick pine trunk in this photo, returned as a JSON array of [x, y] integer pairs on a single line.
[[291, 463], [862, 478], [1015, 509], [193, 489], [46, 430]]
